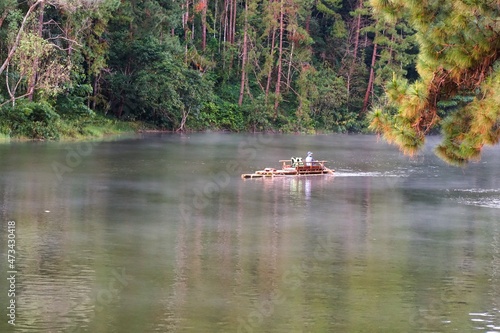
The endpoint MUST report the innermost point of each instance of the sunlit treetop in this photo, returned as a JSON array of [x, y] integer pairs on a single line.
[[459, 48]]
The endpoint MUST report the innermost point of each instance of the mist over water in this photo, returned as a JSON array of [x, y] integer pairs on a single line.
[[159, 233]]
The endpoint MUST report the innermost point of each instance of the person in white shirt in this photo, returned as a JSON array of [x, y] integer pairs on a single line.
[[309, 159]]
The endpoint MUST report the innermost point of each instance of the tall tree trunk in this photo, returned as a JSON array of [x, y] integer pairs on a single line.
[[391, 51], [233, 32], [280, 60], [36, 62], [356, 47], [356, 33], [185, 22], [192, 25], [226, 19], [370, 80], [230, 28], [271, 55], [215, 16], [245, 55], [185, 16], [12, 92], [288, 75], [204, 25], [95, 91]]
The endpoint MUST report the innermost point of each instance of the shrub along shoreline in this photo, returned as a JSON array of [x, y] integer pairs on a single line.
[[27, 121]]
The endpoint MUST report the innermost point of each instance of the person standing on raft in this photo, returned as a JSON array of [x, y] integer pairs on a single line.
[[309, 159]]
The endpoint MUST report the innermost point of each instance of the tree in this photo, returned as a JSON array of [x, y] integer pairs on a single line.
[[34, 62], [459, 47], [280, 53], [289, 65], [148, 77], [371, 77], [20, 31], [48, 43]]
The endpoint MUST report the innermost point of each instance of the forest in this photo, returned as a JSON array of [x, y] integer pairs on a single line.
[[400, 68]]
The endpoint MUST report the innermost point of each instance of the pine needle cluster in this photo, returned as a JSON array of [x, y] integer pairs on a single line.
[[459, 48]]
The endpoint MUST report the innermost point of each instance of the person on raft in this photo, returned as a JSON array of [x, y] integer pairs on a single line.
[[309, 159]]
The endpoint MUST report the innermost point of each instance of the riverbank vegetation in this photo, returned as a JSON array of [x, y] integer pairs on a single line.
[[238, 65], [250, 65]]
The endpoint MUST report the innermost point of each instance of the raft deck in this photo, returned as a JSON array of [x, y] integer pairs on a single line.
[[308, 168]]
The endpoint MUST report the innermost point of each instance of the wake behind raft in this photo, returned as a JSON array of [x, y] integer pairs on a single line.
[[292, 167]]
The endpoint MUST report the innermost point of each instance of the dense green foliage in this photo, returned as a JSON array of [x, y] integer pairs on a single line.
[[291, 66], [34, 120], [294, 65]]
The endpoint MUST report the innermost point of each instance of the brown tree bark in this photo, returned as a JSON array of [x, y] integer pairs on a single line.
[[204, 25], [289, 74], [233, 34], [245, 55], [356, 47], [370, 80], [269, 74], [225, 19], [280, 59], [36, 62], [358, 29], [230, 19]]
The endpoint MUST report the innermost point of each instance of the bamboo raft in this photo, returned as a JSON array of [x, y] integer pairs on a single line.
[[292, 167]]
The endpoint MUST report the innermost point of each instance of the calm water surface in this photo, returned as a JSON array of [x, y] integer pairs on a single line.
[[159, 234]]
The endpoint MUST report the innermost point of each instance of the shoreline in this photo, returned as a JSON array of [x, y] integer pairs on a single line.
[[130, 129]]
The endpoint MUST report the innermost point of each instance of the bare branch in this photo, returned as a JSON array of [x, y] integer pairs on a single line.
[[13, 99], [18, 37], [71, 41]]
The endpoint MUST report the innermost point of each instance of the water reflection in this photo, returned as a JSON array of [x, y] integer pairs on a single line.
[[133, 243], [487, 315]]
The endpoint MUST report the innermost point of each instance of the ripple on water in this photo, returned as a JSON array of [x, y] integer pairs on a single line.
[[70, 302], [486, 320], [349, 173], [489, 198]]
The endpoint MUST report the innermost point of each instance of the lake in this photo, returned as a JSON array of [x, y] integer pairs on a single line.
[[158, 233]]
